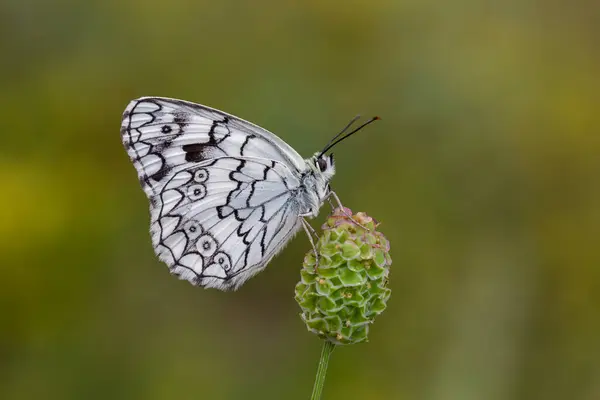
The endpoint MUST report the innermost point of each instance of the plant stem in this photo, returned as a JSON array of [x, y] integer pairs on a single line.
[[328, 348]]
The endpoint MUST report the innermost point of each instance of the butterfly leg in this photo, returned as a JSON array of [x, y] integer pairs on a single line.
[[310, 232], [337, 199], [341, 206], [331, 203]]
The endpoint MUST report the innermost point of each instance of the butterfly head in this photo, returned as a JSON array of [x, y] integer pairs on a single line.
[[320, 170], [323, 165]]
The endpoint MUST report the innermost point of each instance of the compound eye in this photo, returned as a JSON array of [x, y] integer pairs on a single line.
[[322, 164]]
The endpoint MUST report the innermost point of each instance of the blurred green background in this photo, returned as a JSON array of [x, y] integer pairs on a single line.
[[484, 172]]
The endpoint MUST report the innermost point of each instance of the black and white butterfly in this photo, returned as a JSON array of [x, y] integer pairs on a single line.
[[225, 195]]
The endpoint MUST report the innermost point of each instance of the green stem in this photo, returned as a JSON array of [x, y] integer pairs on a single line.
[[328, 348]]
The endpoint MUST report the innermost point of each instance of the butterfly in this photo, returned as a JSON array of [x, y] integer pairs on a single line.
[[225, 195]]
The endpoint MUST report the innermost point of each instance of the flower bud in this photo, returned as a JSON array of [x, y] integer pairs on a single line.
[[341, 293]]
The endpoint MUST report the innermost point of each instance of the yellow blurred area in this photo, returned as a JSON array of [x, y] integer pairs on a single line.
[[483, 172], [28, 214]]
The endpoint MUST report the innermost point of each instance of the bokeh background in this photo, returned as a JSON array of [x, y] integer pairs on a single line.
[[484, 172]]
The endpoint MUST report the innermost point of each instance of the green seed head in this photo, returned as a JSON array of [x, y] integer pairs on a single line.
[[341, 294]]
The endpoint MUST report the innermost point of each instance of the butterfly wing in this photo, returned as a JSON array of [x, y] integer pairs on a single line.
[[219, 222], [221, 190], [161, 134]]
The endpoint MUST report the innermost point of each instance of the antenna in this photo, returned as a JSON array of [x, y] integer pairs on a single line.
[[352, 121], [333, 141]]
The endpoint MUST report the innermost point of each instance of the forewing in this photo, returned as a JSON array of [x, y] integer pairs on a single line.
[[162, 134]]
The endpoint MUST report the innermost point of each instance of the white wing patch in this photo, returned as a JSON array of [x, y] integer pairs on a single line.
[[219, 223], [161, 134], [222, 191]]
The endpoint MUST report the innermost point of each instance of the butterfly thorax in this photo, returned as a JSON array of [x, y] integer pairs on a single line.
[[314, 183]]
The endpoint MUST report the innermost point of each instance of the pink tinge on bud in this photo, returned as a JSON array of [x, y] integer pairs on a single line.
[[362, 218], [340, 216], [383, 242], [345, 211]]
